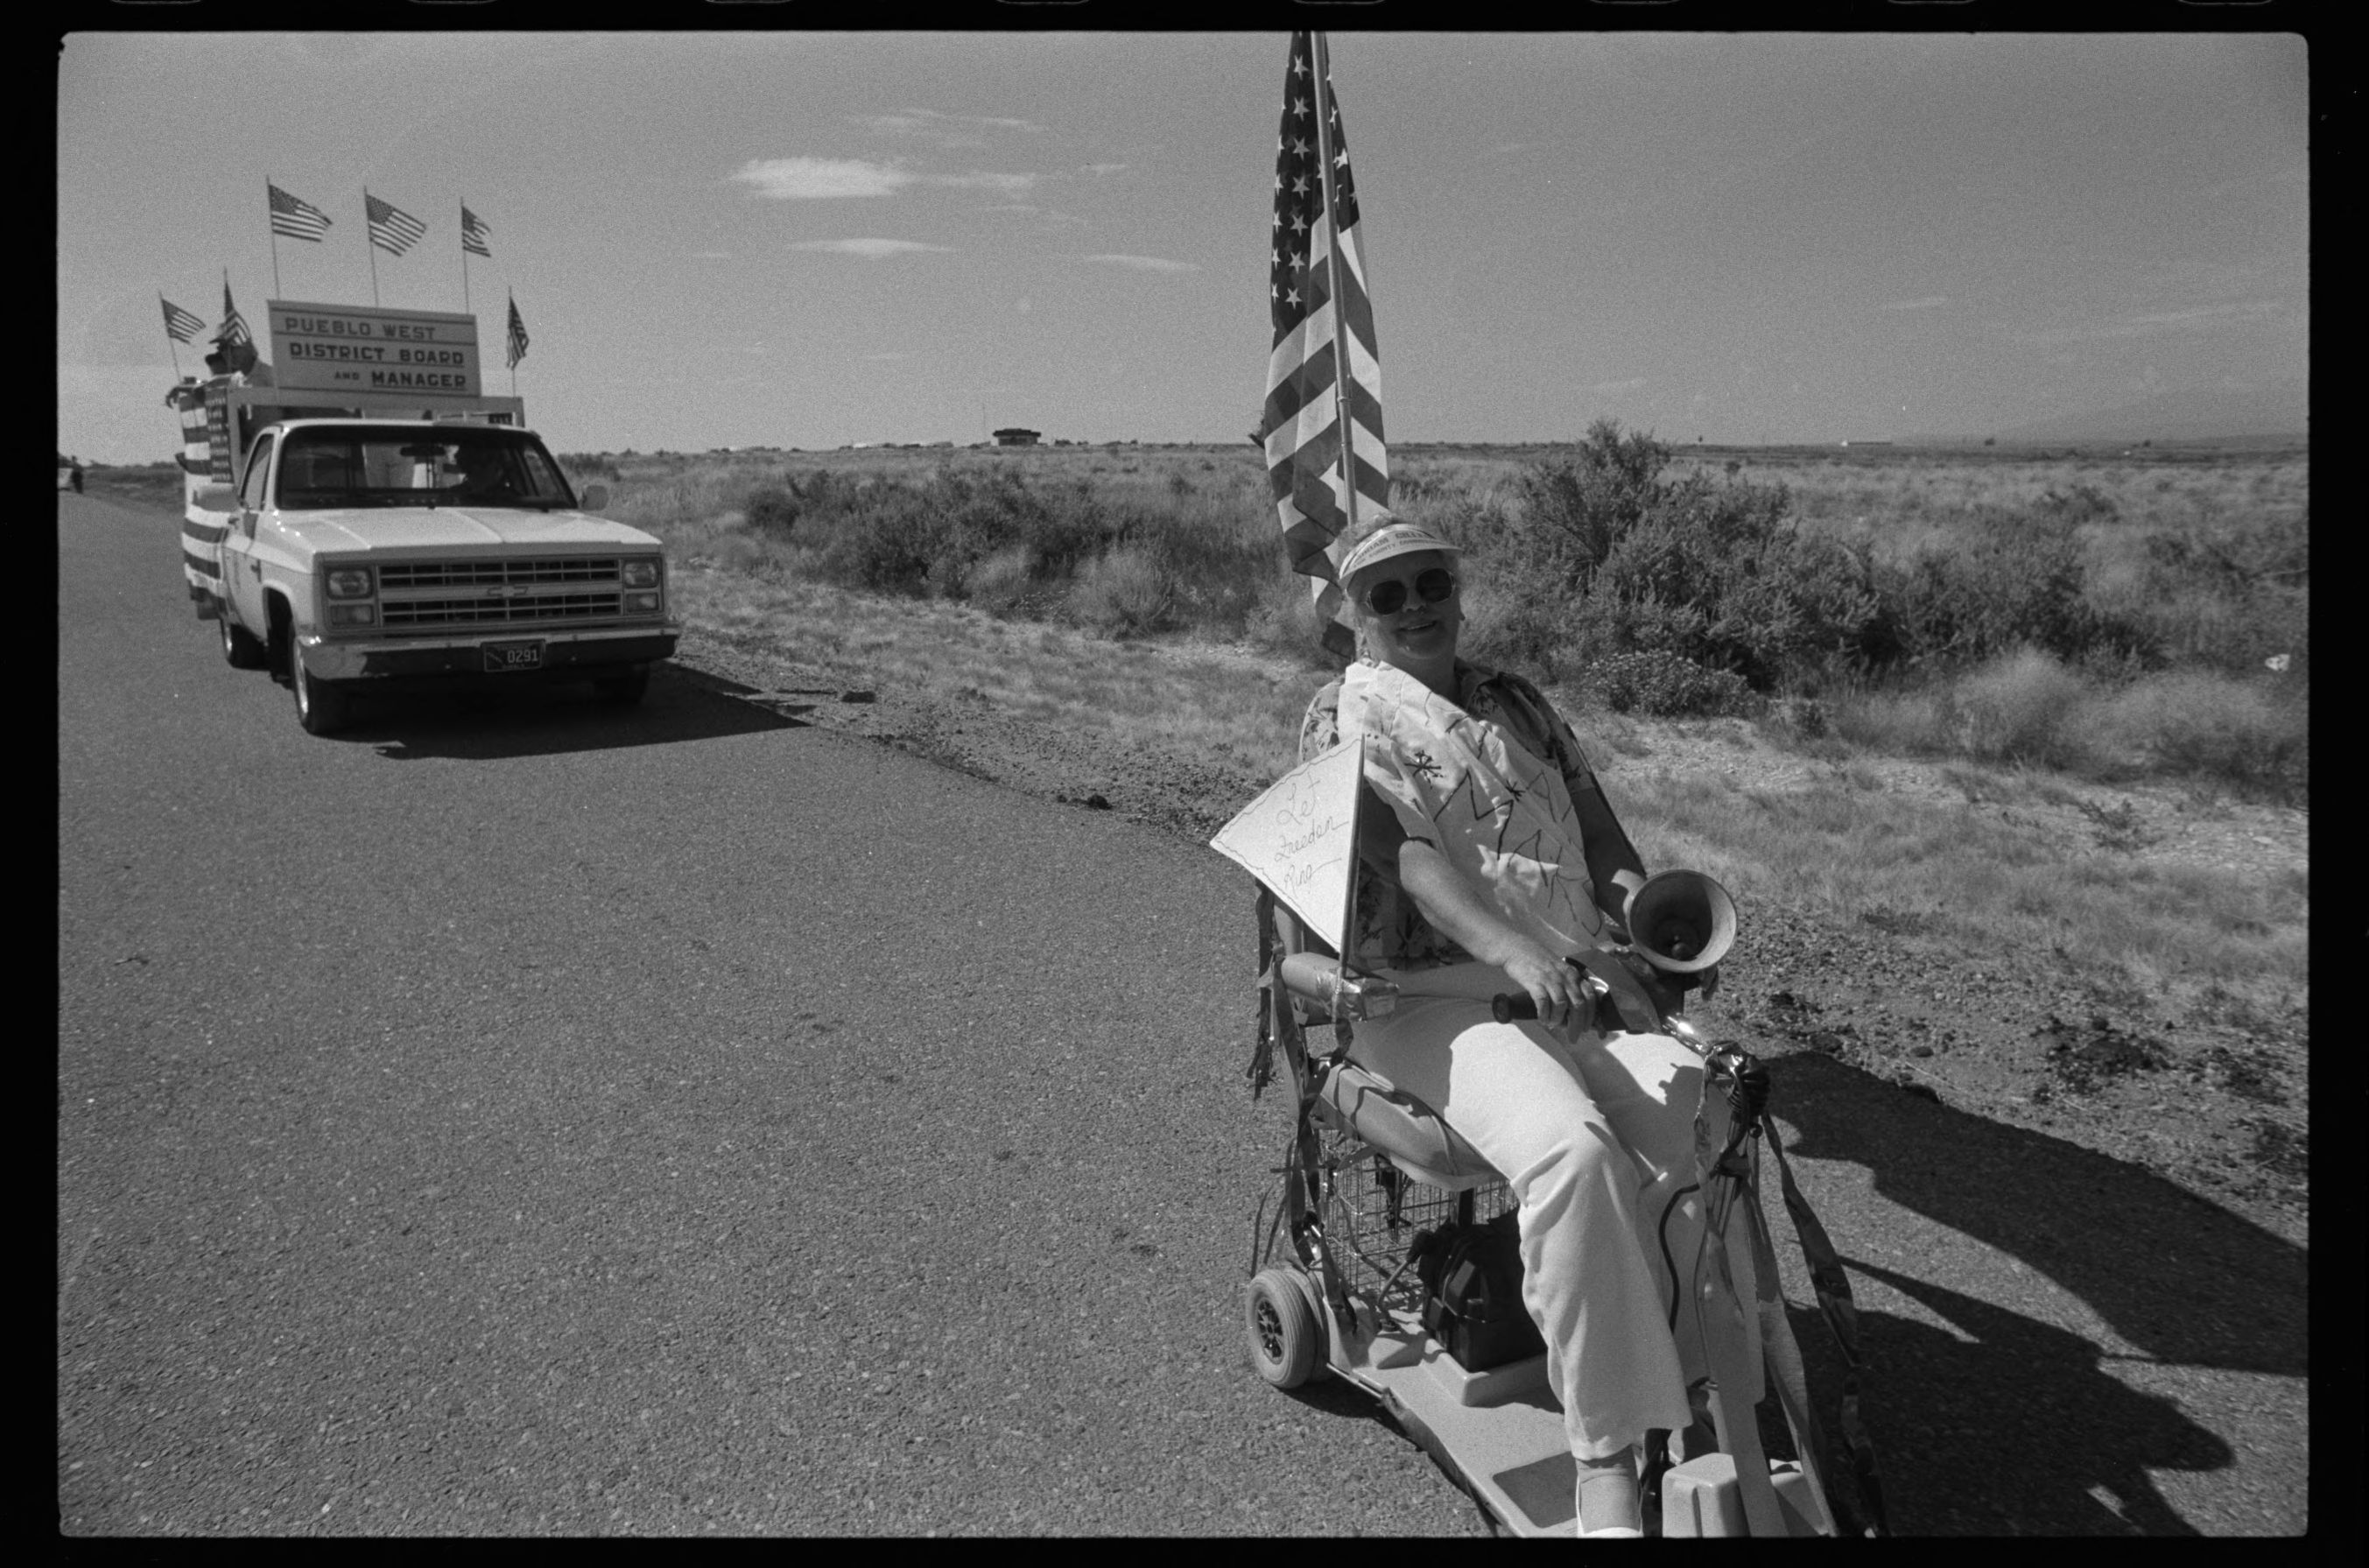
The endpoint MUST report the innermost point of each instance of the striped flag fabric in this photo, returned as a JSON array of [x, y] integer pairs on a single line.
[[391, 228], [473, 234], [233, 326], [181, 326], [1301, 420], [517, 337], [294, 216]]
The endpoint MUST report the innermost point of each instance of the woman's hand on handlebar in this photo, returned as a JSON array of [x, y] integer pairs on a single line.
[[1559, 990]]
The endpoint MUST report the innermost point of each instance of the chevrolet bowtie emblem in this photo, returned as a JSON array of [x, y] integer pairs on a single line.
[[506, 591]]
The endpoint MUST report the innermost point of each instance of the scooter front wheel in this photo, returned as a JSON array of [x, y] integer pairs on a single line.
[[1279, 1320]]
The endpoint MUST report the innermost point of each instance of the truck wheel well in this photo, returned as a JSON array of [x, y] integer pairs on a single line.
[[280, 632]]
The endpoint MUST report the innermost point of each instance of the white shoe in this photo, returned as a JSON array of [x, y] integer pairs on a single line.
[[1609, 1506]]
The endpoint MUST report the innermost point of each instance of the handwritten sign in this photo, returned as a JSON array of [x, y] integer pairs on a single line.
[[1300, 838], [349, 348]]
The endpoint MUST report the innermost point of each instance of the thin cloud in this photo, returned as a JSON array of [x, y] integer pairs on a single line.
[[870, 249], [711, 256], [2150, 324], [1103, 169], [808, 179], [801, 179], [945, 130], [1927, 302], [1146, 263]]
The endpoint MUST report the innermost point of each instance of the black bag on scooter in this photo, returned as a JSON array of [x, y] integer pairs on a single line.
[[1472, 1293]]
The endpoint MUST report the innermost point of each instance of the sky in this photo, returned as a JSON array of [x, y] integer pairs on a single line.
[[810, 240]]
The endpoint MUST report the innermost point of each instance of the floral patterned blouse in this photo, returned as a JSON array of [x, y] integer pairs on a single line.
[[1390, 933]]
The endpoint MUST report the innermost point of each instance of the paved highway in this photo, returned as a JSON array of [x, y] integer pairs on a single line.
[[518, 1117]]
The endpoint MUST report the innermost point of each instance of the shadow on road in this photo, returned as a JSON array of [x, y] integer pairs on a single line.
[[487, 724], [2003, 1423]]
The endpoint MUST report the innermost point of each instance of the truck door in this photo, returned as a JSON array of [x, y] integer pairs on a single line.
[[242, 567]]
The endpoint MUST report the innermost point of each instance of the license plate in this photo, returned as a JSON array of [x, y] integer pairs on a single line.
[[500, 657]]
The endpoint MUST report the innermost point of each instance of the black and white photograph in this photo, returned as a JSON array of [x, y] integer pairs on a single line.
[[1030, 771]]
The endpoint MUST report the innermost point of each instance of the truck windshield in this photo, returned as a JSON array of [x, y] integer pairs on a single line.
[[326, 466]]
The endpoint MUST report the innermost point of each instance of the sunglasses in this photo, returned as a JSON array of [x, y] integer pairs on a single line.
[[1431, 586]]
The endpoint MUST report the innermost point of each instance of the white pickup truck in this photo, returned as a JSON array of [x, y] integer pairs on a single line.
[[362, 555]]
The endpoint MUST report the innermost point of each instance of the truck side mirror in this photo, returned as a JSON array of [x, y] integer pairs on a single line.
[[596, 495], [216, 498]]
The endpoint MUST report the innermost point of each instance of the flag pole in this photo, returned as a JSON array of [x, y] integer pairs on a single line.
[[1332, 281], [172, 344], [370, 243], [275, 237], [464, 263]]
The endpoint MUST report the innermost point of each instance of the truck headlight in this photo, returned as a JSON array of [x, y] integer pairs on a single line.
[[353, 615], [642, 573], [349, 582], [642, 601]]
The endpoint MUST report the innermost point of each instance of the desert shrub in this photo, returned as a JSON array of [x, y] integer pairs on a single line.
[[2016, 578], [1713, 572], [1660, 684], [1122, 593], [1001, 584], [2022, 706], [2204, 723], [771, 509]]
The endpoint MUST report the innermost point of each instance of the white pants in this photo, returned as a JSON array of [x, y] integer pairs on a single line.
[[1594, 1135]]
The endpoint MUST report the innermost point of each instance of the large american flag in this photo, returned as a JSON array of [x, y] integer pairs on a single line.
[[294, 216], [1301, 422], [181, 326], [473, 234], [391, 228]]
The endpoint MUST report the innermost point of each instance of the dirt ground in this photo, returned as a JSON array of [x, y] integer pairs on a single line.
[[2210, 1095]]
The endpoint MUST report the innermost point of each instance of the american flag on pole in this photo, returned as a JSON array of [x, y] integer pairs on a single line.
[[181, 326], [473, 234], [294, 216], [391, 228], [234, 326], [1303, 420], [518, 337]]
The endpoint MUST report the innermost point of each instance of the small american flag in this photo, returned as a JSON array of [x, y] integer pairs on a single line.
[[294, 216], [234, 326], [391, 228], [179, 324], [518, 337], [1300, 421], [473, 235]]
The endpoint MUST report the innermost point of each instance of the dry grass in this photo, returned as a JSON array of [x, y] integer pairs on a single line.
[[1982, 884]]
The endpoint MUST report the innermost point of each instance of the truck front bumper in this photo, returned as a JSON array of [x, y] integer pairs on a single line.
[[568, 655]]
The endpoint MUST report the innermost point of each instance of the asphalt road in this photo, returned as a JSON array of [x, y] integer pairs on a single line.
[[518, 1117]]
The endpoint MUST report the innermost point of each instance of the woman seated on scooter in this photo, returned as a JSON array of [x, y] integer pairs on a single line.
[[1488, 855]]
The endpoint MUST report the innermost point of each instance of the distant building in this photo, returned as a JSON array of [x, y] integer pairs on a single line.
[[1016, 437]]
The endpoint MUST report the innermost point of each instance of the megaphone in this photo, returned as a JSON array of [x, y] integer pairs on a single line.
[[1682, 922]]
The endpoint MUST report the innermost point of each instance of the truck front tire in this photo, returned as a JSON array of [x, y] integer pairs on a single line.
[[239, 645], [320, 706]]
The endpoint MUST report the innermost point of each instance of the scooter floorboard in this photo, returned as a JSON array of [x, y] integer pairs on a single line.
[[1501, 1429]]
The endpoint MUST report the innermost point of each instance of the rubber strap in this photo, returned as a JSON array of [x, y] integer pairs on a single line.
[[1833, 1285]]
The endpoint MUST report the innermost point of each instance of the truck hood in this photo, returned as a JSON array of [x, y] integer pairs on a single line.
[[436, 530]]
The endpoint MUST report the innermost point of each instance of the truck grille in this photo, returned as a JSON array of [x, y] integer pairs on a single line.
[[499, 593], [479, 573]]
